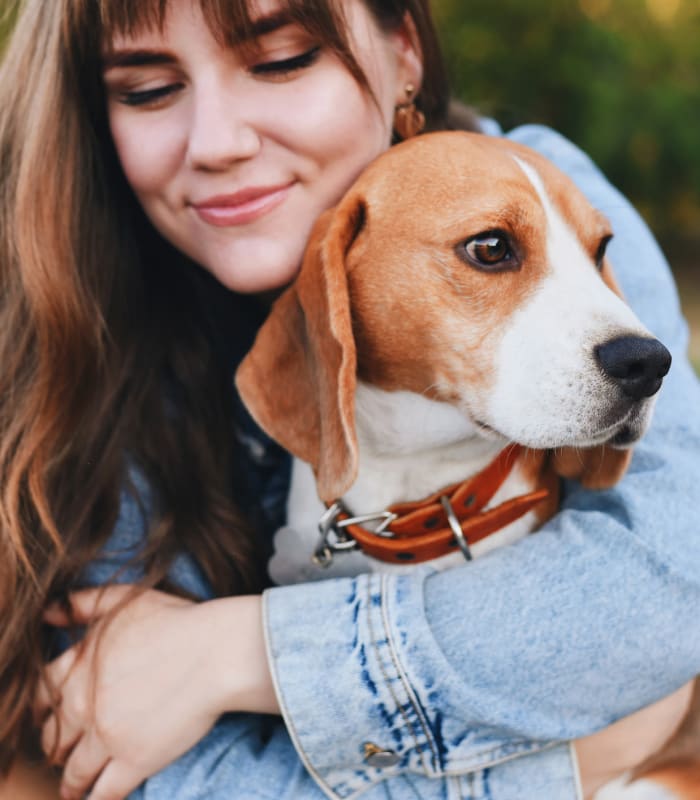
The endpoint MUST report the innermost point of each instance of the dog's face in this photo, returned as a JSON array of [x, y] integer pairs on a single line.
[[468, 270], [478, 277]]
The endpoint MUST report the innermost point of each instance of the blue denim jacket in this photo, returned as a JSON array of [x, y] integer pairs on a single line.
[[470, 683]]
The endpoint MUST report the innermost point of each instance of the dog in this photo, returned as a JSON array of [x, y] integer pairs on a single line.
[[453, 346]]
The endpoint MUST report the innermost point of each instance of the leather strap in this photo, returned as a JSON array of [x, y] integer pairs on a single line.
[[421, 531]]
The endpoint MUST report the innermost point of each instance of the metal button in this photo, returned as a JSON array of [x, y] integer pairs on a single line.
[[377, 757]]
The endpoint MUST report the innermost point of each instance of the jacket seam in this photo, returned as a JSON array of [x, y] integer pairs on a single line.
[[404, 678], [409, 725]]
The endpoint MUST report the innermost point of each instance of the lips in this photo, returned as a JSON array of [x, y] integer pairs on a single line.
[[241, 207]]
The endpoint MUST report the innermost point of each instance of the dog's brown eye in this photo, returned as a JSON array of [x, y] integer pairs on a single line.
[[488, 250], [600, 252]]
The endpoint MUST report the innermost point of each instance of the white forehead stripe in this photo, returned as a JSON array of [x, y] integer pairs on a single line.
[[535, 180], [561, 239]]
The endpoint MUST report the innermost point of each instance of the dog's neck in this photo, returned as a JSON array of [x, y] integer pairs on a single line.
[[410, 447]]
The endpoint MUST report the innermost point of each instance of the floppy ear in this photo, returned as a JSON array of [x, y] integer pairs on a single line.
[[594, 467], [298, 380]]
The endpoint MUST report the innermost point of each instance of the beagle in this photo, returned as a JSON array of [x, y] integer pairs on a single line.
[[454, 344]]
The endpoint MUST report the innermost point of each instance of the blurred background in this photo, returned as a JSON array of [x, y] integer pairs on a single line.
[[620, 78]]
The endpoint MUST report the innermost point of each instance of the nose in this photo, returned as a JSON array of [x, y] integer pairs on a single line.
[[219, 135], [637, 364]]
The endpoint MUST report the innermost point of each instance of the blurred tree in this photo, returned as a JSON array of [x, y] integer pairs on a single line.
[[618, 77]]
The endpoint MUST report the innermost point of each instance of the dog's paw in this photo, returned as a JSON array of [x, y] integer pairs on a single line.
[[637, 790]]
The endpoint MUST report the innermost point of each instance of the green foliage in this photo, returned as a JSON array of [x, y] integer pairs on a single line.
[[618, 77], [8, 12]]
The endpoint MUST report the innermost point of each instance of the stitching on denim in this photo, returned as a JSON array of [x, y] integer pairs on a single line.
[[387, 681], [402, 675], [469, 767]]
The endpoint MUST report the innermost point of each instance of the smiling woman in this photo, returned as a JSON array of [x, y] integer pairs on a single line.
[[183, 108]]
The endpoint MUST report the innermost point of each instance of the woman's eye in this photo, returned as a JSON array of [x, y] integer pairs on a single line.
[[602, 249], [284, 66], [488, 250], [149, 96]]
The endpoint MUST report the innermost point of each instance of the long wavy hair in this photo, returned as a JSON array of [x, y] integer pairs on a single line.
[[98, 316]]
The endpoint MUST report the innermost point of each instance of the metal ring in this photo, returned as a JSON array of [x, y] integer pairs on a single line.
[[456, 528]]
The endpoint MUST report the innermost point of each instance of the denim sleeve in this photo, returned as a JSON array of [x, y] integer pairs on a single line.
[[550, 639]]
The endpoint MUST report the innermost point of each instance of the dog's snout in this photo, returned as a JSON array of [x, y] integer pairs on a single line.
[[637, 364]]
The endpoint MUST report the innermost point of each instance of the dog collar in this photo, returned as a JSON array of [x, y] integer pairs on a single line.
[[411, 533]]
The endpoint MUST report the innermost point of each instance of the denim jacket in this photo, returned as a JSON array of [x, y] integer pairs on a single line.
[[471, 683]]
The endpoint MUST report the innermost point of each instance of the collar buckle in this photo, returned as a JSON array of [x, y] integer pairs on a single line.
[[334, 537]]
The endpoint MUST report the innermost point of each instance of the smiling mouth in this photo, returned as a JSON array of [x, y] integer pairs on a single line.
[[241, 208]]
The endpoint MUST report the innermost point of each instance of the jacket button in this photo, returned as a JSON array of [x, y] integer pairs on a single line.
[[377, 757]]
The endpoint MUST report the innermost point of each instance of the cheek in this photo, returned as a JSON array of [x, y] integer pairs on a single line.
[[148, 152], [337, 125]]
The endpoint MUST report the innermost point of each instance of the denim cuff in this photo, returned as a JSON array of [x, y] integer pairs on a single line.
[[363, 718], [550, 774]]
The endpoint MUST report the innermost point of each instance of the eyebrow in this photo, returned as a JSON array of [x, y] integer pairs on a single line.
[[141, 58]]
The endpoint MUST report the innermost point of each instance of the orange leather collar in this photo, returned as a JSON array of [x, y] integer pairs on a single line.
[[421, 531]]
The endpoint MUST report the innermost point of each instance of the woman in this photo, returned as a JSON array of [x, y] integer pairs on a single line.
[[156, 155]]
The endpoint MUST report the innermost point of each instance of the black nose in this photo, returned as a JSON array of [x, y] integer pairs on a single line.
[[636, 364]]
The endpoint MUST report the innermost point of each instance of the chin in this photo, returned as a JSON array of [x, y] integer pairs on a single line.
[[254, 280]]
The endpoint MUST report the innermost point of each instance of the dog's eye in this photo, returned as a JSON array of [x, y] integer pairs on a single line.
[[600, 252], [488, 250]]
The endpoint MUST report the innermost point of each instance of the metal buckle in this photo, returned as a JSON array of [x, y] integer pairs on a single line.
[[456, 528], [342, 542]]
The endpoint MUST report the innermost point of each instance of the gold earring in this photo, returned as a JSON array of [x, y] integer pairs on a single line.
[[408, 120]]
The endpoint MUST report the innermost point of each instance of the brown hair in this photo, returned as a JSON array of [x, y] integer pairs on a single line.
[[103, 368]]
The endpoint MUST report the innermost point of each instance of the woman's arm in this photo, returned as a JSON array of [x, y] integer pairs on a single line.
[[551, 639]]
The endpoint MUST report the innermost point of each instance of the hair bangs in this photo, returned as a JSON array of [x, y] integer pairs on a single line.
[[235, 23]]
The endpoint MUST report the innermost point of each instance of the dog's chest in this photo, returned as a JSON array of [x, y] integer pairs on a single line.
[[375, 490]]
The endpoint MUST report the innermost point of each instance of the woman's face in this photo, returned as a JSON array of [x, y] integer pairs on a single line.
[[233, 159]]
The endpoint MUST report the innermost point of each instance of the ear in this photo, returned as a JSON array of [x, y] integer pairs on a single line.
[[409, 55], [594, 467], [298, 380]]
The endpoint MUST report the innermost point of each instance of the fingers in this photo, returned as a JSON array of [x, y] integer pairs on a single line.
[[86, 762], [57, 740], [88, 605], [115, 782], [50, 684]]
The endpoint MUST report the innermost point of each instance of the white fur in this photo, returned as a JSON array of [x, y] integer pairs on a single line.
[[549, 390], [435, 446]]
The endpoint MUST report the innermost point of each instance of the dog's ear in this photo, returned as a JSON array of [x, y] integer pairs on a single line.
[[594, 467], [298, 380]]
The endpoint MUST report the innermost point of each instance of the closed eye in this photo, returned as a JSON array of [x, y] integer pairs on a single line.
[[285, 66], [149, 96]]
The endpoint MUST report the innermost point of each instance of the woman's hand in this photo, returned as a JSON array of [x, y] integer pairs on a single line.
[[148, 684], [608, 754]]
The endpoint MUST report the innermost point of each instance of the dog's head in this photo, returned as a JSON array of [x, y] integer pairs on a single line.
[[469, 270]]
